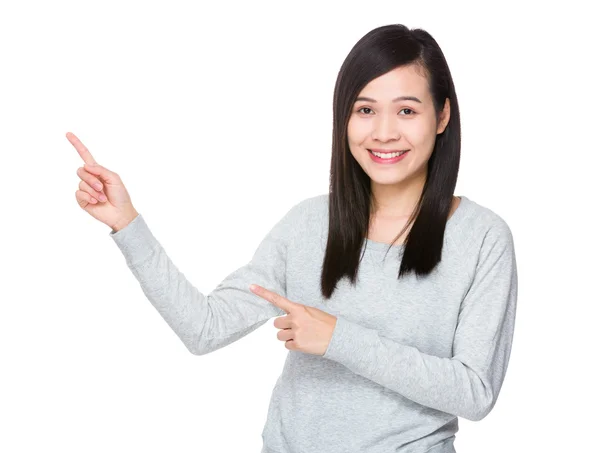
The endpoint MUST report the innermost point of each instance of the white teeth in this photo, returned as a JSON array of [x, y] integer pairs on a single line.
[[387, 155]]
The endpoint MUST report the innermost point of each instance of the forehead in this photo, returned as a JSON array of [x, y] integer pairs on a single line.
[[401, 81]]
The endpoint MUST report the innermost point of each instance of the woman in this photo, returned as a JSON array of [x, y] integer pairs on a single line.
[[385, 352]]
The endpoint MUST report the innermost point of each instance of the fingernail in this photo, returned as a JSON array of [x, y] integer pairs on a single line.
[[98, 186], [102, 197]]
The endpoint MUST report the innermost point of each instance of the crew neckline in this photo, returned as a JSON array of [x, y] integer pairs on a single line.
[[455, 217]]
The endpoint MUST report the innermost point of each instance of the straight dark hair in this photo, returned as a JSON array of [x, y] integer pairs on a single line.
[[350, 200]]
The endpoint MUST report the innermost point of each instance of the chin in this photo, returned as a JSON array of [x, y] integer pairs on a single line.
[[388, 182]]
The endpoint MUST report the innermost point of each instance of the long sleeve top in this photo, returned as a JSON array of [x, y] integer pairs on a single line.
[[407, 356]]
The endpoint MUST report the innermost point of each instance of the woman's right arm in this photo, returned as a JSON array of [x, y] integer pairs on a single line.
[[205, 323]]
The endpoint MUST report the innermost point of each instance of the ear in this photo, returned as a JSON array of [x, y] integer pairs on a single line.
[[444, 117]]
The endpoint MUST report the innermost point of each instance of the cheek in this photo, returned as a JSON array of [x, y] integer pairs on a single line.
[[357, 131], [419, 134]]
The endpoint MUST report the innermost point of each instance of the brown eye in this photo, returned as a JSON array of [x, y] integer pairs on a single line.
[[408, 110], [364, 108]]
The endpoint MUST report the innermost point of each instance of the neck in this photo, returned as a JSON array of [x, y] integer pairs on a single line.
[[394, 200]]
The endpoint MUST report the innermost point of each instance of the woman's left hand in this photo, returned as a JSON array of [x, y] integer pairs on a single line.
[[305, 329]]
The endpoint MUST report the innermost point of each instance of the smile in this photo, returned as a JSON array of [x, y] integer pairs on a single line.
[[387, 158]]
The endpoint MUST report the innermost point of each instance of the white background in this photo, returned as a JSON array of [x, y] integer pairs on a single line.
[[218, 119]]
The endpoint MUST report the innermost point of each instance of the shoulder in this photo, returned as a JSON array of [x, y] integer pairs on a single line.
[[303, 214], [313, 205], [481, 227], [316, 201]]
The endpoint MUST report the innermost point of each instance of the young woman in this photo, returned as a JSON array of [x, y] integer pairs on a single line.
[[386, 351]]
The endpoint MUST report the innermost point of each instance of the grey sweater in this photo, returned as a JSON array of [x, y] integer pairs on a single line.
[[406, 357]]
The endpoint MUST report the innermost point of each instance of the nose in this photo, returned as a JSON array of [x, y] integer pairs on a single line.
[[385, 128]]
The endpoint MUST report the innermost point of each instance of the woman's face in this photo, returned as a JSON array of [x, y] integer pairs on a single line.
[[380, 123]]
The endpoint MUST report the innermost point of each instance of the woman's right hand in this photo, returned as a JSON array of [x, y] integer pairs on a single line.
[[115, 209]]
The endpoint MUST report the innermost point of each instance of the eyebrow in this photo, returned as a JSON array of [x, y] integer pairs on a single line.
[[399, 98]]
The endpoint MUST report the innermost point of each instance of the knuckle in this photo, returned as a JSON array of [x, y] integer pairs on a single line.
[[84, 186], [84, 175]]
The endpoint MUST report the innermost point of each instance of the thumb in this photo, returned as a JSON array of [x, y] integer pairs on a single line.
[[104, 173]]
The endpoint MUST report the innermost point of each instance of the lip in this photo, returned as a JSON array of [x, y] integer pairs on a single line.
[[386, 150], [392, 160]]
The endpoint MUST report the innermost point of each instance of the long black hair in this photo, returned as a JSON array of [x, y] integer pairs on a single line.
[[350, 199]]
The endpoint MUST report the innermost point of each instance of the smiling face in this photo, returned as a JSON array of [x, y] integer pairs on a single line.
[[380, 121]]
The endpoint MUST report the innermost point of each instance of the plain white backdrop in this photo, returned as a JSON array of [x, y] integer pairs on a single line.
[[218, 116]]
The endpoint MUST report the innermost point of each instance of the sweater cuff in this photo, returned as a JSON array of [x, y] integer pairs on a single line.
[[135, 241], [348, 342]]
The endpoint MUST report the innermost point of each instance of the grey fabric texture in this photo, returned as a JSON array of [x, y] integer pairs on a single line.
[[407, 357]]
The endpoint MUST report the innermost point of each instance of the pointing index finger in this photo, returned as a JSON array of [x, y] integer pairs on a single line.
[[276, 299], [81, 149]]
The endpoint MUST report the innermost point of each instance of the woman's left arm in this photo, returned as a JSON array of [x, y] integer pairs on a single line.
[[468, 383]]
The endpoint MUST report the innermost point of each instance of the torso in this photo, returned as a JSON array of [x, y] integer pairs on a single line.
[[385, 229]]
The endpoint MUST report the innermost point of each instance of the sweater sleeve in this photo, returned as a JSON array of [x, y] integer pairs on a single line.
[[205, 323], [468, 383]]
